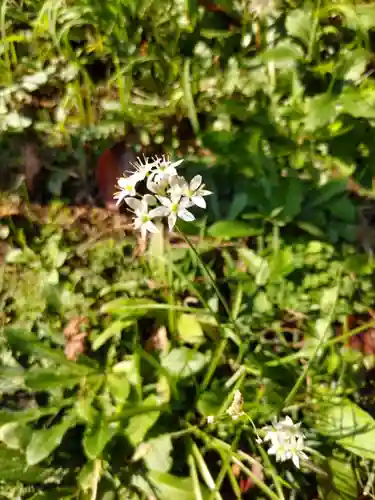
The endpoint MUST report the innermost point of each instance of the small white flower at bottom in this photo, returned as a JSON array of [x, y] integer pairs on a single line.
[[143, 216], [210, 419], [286, 440]]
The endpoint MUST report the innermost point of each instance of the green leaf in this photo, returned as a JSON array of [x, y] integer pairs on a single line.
[[210, 402], [115, 328], [15, 435], [128, 308], [349, 425], [167, 487], [298, 24], [40, 379], [262, 304], [192, 9], [327, 192], [228, 229], [256, 265], [329, 297], [321, 110], [311, 229], [342, 483], [352, 65], [343, 209], [238, 204], [359, 103], [184, 362], [97, 436], [285, 54], [13, 468], [139, 425], [293, 198], [7, 416], [189, 329], [12, 379], [365, 13], [158, 453], [29, 343], [43, 442], [119, 386]]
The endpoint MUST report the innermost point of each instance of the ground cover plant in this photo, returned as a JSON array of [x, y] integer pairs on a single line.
[[233, 356]]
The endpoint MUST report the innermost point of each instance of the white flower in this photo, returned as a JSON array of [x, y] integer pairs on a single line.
[[195, 191], [170, 191], [142, 170], [160, 188], [142, 213], [210, 419], [174, 207], [286, 440], [236, 408], [127, 187], [165, 168]]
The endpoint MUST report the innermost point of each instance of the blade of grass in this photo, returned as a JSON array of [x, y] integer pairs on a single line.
[[320, 344]]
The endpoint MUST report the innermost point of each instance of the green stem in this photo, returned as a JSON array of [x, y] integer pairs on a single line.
[[313, 31], [210, 276], [322, 341]]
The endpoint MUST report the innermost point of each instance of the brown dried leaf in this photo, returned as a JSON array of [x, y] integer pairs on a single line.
[[75, 337]]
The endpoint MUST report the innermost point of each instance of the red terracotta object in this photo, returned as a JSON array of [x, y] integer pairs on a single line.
[[111, 165]]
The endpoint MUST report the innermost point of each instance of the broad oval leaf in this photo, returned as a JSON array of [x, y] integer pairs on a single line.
[[140, 424], [189, 329], [119, 386], [43, 442], [168, 486], [97, 436], [341, 483], [349, 425], [184, 362]]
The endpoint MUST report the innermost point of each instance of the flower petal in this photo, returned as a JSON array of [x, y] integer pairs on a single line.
[[150, 226], [199, 201], [295, 460], [164, 201], [172, 220], [134, 203], [186, 215], [195, 182], [158, 212], [122, 182], [119, 196], [176, 163], [149, 199], [204, 192]]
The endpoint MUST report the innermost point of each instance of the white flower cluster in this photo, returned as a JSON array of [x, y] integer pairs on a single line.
[[287, 441], [170, 195]]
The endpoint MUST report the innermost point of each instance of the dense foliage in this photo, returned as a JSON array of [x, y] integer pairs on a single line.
[[110, 364]]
